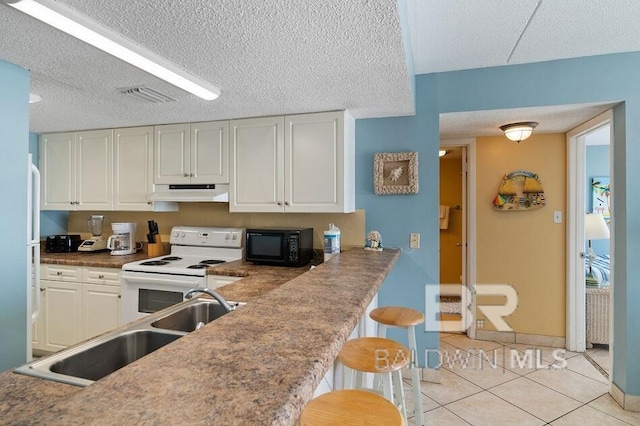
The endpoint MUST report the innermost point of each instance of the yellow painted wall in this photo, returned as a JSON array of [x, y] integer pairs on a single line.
[[451, 195], [217, 214], [524, 248]]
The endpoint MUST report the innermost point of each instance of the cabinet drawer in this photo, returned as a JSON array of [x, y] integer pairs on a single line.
[[60, 272], [109, 276]]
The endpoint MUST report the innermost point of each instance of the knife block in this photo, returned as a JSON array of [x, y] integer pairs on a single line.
[[155, 249]]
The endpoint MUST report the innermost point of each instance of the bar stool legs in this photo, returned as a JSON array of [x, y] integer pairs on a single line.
[[405, 318], [383, 357]]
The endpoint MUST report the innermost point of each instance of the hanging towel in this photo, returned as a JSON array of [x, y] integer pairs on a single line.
[[444, 217]]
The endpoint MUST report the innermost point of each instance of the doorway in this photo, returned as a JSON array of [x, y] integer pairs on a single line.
[[457, 235], [586, 177]]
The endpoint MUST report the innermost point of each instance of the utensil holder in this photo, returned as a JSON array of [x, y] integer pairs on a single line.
[[155, 249]]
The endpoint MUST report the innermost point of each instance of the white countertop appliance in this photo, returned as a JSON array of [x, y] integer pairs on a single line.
[[153, 284]]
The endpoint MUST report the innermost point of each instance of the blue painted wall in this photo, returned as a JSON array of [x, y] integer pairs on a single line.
[[597, 165], [608, 78], [14, 144]]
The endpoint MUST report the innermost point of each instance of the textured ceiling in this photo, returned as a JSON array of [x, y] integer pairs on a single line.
[[551, 119], [272, 57], [267, 57]]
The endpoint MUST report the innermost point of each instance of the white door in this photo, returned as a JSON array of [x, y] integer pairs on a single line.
[[576, 207], [62, 309], [133, 168], [314, 163], [256, 165], [58, 170], [172, 154], [210, 152], [94, 170]]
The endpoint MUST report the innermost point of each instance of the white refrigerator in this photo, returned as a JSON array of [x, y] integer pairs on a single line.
[[33, 251]]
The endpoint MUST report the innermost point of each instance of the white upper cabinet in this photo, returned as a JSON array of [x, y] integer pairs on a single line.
[[133, 168], [300, 163], [57, 162], [77, 170], [196, 153], [256, 181]]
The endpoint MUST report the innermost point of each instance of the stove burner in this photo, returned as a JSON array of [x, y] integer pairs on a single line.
[[211, 262], [171, 258], [199, 266], [154, 263]]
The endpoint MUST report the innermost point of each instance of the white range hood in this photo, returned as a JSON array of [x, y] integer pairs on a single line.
[[191, 193]]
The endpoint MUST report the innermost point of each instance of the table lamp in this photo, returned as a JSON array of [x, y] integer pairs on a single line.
[[595, 228]]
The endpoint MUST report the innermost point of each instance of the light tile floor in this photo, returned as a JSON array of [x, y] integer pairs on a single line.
[[493, 389]]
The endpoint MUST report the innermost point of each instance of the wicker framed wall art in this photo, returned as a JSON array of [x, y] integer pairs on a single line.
[[395, 173]]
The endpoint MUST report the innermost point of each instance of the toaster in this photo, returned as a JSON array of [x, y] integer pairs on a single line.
[[63, 243]]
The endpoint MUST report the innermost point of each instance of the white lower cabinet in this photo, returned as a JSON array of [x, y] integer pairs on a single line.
[[101, 309], [77, 303]]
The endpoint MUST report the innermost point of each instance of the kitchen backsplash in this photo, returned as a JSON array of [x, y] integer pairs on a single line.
[[352, 225]]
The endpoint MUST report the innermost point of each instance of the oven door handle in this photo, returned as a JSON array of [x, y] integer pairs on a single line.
[[146, 278]]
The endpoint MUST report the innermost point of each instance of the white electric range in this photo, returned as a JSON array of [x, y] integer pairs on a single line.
[[153, 284]]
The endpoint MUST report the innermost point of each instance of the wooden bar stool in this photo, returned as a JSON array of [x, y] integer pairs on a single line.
[[395, 316], [383, 357], [350, 407]]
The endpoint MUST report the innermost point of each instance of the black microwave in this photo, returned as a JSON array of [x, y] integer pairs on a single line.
[[279, 246]]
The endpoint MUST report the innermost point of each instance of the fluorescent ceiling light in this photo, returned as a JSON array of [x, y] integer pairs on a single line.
[[82, 28]]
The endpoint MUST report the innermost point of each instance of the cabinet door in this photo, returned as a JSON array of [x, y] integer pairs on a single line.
[[57, 162], [94, 170], [133, 168], [172, 154], [256, 165], [101, 309], [37, 331], [314, 158], [62, 309], [210, 152]]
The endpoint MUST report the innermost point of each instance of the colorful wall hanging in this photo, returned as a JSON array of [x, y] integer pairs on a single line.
[[519, 191]]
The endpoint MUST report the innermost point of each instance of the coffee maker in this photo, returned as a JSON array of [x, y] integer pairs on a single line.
[[123, 240]]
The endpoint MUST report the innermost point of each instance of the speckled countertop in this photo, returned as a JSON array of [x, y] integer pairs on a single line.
[[257, 365]]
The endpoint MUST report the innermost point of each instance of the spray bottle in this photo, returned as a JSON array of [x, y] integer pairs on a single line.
[[331, 242]]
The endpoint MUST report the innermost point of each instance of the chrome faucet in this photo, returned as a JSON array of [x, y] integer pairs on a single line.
[[189, 294]]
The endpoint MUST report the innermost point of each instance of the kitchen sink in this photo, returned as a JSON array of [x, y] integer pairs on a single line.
[[96, 358], [192, 316], [105, 358]]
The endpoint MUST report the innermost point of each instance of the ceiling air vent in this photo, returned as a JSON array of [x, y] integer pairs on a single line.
[[146, 94]]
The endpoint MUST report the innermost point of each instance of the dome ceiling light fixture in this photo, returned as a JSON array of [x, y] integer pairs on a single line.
[[518, 131]]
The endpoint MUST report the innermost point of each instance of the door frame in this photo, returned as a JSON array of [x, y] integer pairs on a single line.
[[576, 186], [468, 222]]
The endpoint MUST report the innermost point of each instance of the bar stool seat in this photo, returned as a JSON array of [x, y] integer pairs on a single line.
[[384, 357], [350, 407], [398, 316]]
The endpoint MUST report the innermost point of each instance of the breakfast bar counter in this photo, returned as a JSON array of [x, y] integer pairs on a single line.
[[257, 365]]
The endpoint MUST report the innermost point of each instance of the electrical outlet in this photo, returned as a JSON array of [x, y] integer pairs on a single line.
[[414, 241]]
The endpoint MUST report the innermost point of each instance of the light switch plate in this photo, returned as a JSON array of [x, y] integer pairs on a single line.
[[557, 217], [414, 240]]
